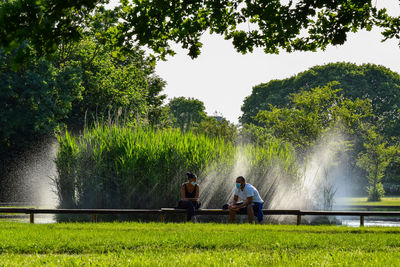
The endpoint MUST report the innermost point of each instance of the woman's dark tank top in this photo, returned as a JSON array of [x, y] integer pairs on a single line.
[[190, 194]]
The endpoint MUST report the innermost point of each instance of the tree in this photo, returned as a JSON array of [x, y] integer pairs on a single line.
[[377, 156], [217, 129], [33, 100], [114, 81], [311, 113], [186, 111], [44, 24], [88, 78], [273, 25], [157, 113], [250, 133], [368, 81], [112, 85]]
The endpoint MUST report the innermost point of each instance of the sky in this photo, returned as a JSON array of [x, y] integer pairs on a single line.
[[222, 77]]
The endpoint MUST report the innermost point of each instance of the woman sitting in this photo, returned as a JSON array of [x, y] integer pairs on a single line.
[[190, 196]]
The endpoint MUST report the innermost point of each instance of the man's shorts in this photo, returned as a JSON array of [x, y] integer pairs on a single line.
[[257, 207]]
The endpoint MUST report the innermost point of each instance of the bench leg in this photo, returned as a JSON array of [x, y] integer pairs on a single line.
[[31, 218], [94, 218], [298, 219], [162, 217], [361, 221]]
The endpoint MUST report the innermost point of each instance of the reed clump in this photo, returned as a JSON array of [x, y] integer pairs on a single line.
[[112, 166]]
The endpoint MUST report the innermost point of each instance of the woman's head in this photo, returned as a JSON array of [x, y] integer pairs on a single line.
[[191, 177]]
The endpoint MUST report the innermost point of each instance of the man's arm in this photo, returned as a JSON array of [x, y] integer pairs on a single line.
[[249, 193], [233, 205], [235, 199], [246, 203]]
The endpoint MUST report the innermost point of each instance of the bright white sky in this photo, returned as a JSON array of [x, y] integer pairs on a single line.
[[222, 78]]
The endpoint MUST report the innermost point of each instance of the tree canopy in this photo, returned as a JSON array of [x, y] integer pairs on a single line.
[[34, 100], [376, 158], [81, 80], [186, 111], [214, 128], [110, 84], [303, 25], [311, 113], [368, 81]]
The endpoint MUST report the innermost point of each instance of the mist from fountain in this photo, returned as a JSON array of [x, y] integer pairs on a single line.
[[29, 179], [217, 187], [323, 172]]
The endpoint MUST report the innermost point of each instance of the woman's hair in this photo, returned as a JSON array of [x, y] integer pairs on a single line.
[[191, 175]]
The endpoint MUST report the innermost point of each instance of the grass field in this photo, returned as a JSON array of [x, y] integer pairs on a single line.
[[155, 244], [386, 201]]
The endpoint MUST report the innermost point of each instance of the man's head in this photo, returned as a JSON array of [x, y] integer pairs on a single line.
[[240, 180]]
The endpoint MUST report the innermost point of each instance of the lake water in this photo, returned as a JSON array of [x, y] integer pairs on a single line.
[[369, 223], [39, 218]]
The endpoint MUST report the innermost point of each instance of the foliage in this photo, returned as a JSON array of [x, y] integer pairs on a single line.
[[315, 113], [114, 80], [385, 201], [186, 111], [111, 84], [44, 24], [124, 167], [376, 83], [311, 113], [33, 100], [368, 81], [213, 128], [84, 80], [374, 160], [391, 188], [250, 133], [78, 84], [273, 25], [390, 24], [154, 244], [83, 83]]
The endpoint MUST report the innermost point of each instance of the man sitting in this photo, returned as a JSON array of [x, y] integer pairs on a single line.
[[252, 202]]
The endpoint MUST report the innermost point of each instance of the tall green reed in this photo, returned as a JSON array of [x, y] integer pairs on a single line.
[[111, 166]]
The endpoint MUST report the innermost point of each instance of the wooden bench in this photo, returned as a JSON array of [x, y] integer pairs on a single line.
[[297, 213], [167, 211]]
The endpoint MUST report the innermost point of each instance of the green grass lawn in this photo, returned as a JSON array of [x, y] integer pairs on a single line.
[[155, 244], [386, 201]]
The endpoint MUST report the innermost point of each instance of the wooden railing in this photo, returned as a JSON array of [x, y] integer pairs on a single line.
[[165, 211], [367, 207], [16, 204], [93, 212]]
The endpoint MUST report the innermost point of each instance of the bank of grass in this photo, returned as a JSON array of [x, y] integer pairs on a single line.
[[155, 244], [386, 201]]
